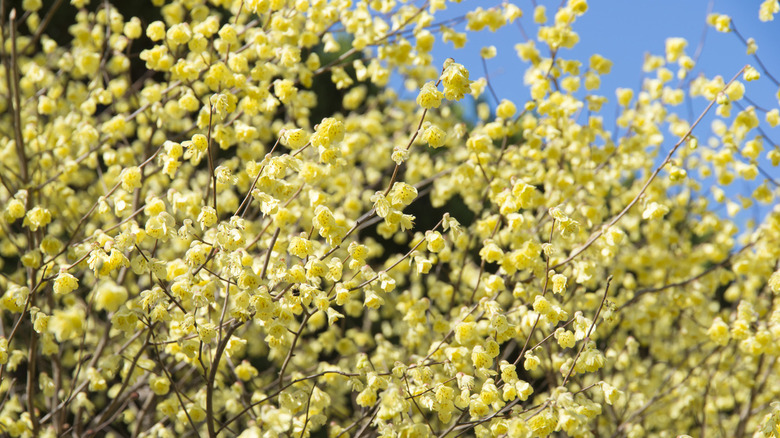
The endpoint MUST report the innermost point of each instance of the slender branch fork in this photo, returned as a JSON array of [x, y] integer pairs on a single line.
[[590, 331], [600, 230]]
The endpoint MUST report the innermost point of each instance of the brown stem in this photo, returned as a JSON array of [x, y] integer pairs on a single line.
[[370, 413], [590, 331], [487, 79], [744, 414], [32, 379], [248, 197], [367, 282], [619, 431], [408, 146], [15, 328], [278, 391], [210, 153], [482, 264], [268, 252], [44, 24], [169, 376], [308, 403], [544, 291], [755, 55], [12, 79], [292, 348], [212, 376], [600, 230], [414, 400], [639, 293], [113, 407]]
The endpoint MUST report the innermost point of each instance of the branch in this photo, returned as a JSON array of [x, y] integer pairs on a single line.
[[649, 181], [590, 331]]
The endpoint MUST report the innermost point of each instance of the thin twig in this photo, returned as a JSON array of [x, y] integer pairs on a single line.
[[211, 381], [590, 331], [414, 248], [600, 230]]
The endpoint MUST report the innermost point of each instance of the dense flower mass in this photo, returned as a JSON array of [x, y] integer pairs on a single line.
[[221, 221]]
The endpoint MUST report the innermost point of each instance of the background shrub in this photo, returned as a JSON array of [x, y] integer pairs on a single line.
[[219, 219]]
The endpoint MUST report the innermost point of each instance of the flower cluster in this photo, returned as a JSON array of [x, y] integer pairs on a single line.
[[193, 241]]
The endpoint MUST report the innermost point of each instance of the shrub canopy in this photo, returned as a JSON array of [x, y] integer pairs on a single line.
[[219, 220]]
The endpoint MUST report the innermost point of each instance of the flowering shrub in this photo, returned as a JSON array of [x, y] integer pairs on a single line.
[[188, 251]]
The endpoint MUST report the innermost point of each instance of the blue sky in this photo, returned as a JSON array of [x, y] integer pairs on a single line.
[[623, 31]]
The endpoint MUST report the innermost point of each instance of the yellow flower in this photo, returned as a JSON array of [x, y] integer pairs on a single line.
[[559, 283], [488, 52], [719, 332], [721, 22], [67, 324], [542, 305], [768, 9], [109, 296], [160, 385], [543, 423], [480, 359], [14, 210], [429, 96], [366, 398], [505, 109], [565, 338], [36, 218], [654, 210], [131, 178], [434, 136], [435, 241], [197, 414], [600, 64], [751, 74], [455, 80], [207, 332], [611, 394], [531, 361], [179, 33], [156, 30], [402, 194], [675, 48], [245, 371], [328, 132], [132, 28], [65, 283], [540, 14], [207, 217]]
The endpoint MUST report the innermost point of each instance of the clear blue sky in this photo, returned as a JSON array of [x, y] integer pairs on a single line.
[[623, 31]]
